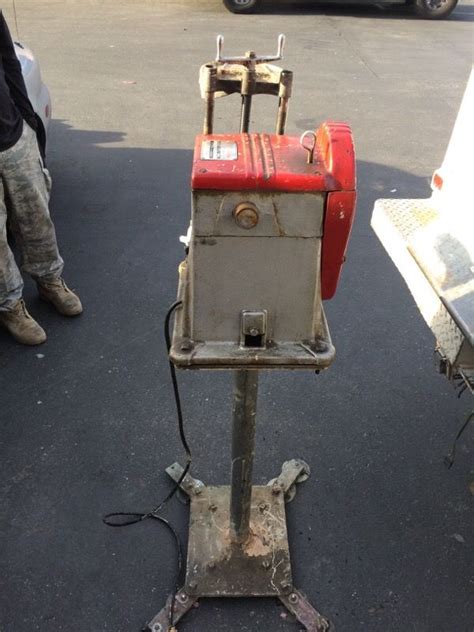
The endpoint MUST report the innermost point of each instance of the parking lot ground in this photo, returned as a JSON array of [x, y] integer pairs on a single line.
[[381, 534]]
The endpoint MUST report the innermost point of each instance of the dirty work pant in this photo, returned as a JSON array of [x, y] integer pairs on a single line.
[[24, 188]]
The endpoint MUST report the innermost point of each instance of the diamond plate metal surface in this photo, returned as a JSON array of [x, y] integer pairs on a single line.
[[426, 256]]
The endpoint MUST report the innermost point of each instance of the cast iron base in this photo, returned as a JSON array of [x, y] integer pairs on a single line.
[[217, 567]]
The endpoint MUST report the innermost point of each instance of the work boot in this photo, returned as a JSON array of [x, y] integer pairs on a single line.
[[64, 300], [21, 325]]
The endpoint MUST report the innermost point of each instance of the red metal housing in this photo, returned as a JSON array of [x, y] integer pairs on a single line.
[[266, 162]]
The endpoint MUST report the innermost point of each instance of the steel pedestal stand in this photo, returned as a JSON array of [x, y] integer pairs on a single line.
[[238, 542]]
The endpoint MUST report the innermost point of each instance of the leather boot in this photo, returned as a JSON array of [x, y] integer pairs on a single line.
[[21, 325], [64, 300]]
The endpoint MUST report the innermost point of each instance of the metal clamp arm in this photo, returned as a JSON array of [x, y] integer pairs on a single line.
[[248, 75], [250, 57]]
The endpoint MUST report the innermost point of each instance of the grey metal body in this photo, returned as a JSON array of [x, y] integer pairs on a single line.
[[272, 268], [250, 288]]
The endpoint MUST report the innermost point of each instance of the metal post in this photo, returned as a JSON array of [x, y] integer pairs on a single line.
[[243, 450], [284, 93], [209, 114], [247, 90], [282, 116], [245, 113], [208, 84]]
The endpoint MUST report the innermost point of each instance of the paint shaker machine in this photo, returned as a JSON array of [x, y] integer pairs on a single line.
[[271, 219]]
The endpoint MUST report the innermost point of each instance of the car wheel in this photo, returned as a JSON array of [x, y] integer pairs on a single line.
[[434, 9], [241, 6]]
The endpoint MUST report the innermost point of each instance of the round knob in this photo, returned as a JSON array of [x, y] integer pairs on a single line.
[[246, 215]]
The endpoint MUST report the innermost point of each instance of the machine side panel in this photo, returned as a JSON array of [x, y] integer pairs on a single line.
[[339, 217], [230, 274], [280, 214]]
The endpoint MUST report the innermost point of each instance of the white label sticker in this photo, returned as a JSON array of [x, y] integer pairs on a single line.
[[219, 150]]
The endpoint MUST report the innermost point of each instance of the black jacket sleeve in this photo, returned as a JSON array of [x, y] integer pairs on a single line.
[[13, 76]]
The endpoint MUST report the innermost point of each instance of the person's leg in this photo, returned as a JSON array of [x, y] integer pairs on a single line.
[[13, 314], [28, 185], [11, 283]]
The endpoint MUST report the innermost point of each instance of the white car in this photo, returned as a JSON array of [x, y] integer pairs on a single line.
[[37, 91]]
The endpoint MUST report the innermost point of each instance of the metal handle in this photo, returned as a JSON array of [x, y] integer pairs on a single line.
[[309, 148], [250, 56]]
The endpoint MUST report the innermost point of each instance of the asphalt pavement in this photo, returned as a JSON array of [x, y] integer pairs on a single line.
[[381, 533]]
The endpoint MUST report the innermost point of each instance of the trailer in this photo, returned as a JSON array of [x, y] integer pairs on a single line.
[[431, 242]]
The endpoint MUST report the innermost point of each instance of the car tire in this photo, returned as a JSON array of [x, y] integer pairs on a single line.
[[434, 9], [241, 6]]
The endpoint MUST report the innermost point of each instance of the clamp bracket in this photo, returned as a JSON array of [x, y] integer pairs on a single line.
[[247, 75]]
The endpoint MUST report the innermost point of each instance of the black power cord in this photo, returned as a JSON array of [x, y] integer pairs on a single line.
[[449, 459], [125, 519]]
